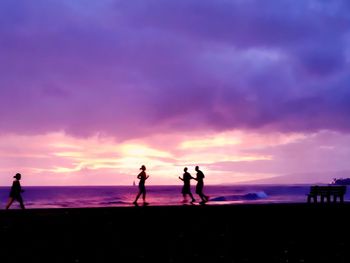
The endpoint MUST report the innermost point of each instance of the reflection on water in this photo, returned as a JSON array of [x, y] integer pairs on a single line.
[[112, 196]]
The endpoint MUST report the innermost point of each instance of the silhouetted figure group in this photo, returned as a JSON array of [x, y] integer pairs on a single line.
[[15, 193], [16, 189], [186, 189]]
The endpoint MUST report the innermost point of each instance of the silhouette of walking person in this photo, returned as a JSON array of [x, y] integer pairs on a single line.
[[142, 189], [15, 193], [186, 189], [200, 185]]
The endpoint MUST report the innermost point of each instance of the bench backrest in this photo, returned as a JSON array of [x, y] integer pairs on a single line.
[[328, 190]]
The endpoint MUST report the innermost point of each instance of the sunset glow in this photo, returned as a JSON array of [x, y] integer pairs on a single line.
[[247, 157]]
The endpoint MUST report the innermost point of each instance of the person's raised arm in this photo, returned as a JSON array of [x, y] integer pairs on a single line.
[[181, 178]]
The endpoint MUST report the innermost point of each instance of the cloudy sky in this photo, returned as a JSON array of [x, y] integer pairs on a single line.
[[252, 91]]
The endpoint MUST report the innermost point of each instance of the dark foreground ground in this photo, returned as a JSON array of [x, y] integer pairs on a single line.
[[239, 233]]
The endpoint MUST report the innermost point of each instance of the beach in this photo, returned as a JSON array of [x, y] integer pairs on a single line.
[[216, 233]]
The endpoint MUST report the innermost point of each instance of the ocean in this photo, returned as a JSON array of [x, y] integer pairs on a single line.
[[114, 196]]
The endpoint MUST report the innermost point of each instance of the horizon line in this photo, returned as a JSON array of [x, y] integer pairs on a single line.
[[179, 185]]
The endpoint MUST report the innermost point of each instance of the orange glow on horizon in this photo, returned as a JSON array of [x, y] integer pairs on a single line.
[[59, 157]]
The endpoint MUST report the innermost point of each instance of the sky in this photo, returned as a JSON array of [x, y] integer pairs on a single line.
[[251, 91]]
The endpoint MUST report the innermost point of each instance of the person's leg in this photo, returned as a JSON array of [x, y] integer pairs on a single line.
[[202, 197], [203, 200], [137, 197], [9, 203], [20, 200], [144, 195], [191, 195], [199, 191]]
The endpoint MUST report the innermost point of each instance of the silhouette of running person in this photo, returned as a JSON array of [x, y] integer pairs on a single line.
[[142, 189], [186, 189], [200, 185], [15, 193]]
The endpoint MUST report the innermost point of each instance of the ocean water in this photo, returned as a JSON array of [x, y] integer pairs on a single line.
[[114, 196]]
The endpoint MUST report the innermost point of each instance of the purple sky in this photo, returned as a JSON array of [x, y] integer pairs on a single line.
[[135, 69]]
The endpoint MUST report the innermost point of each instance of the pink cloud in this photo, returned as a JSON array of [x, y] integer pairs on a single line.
[[100, 75]]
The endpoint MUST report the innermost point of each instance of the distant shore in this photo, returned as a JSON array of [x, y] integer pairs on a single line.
[[225, 233]]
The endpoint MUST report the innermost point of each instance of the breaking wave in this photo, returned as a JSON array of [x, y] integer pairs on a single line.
[[245, 197]]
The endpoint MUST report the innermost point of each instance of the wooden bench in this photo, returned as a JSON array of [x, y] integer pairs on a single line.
[[326, 192]]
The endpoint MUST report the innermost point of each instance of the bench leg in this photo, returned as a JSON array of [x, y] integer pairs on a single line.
[[310, 198], [341, 199], [328, 198]]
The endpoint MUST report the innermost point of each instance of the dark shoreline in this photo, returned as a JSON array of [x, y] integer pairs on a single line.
[[224, 233]]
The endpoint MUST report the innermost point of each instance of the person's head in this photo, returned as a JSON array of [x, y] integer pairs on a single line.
[[18, 176], [197, 168], [185, 169], [143, 168]]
